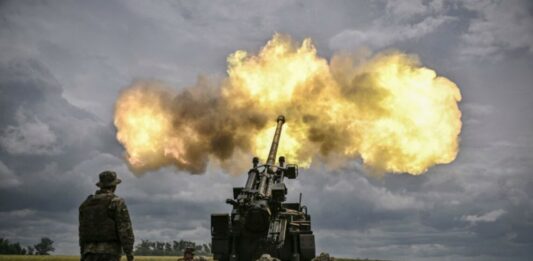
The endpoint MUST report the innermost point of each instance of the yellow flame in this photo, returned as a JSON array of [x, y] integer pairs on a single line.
[[282, 69], [395, 114], [421, 122], [145, 128], [289, 145]]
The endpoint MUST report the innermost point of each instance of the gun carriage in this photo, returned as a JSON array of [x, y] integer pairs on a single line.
[[260, 221]]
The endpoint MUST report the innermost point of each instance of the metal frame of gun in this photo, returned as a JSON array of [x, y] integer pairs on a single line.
[[259, 211]]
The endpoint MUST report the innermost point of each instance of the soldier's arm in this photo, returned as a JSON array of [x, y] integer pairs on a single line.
[[124, 229]]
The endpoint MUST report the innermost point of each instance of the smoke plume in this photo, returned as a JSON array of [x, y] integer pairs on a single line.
[[387, 109]]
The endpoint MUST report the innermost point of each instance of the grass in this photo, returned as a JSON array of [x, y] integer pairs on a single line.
[[137, 258], [77, 258]]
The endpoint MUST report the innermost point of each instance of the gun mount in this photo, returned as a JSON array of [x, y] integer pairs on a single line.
[[260, 222]]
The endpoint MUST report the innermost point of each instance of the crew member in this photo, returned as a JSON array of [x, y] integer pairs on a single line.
[[105, 230]]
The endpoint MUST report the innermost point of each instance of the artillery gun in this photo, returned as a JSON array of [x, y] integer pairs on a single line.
[[260, 222]]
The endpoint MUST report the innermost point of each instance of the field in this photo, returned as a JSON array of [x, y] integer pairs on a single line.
[[76, 258]]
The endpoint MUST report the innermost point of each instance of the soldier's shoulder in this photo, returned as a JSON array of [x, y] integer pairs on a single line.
[[116, 198], [86, 200], [117, 201]]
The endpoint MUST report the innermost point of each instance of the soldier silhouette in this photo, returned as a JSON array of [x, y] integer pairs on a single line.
[[188, 254], [104, 223]]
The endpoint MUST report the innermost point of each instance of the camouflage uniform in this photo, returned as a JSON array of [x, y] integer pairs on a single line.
[[105, 227]]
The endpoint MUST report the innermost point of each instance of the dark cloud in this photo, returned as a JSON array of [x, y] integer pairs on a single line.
[[43, 137], [498, 28], [462, 210], [62, 66], [402, 22]]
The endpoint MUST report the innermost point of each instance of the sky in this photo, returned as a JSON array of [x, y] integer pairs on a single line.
[[63, 64]]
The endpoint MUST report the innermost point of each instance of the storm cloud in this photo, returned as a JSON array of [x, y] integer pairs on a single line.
[[63, 64]]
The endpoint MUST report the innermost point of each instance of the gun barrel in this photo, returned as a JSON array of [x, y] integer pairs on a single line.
[[274, 147]]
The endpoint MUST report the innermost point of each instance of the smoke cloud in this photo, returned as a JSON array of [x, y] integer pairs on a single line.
[[387, 109]]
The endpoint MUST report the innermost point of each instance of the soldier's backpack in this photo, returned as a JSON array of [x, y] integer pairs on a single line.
[[96, 222]]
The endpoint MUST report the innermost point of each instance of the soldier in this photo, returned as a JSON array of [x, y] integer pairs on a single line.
[[105, 227], [188, 254]]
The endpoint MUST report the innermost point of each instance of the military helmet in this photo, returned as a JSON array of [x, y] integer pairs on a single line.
[[108, 179]]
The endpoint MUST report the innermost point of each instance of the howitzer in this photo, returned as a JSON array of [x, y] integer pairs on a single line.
[[260, 221]]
